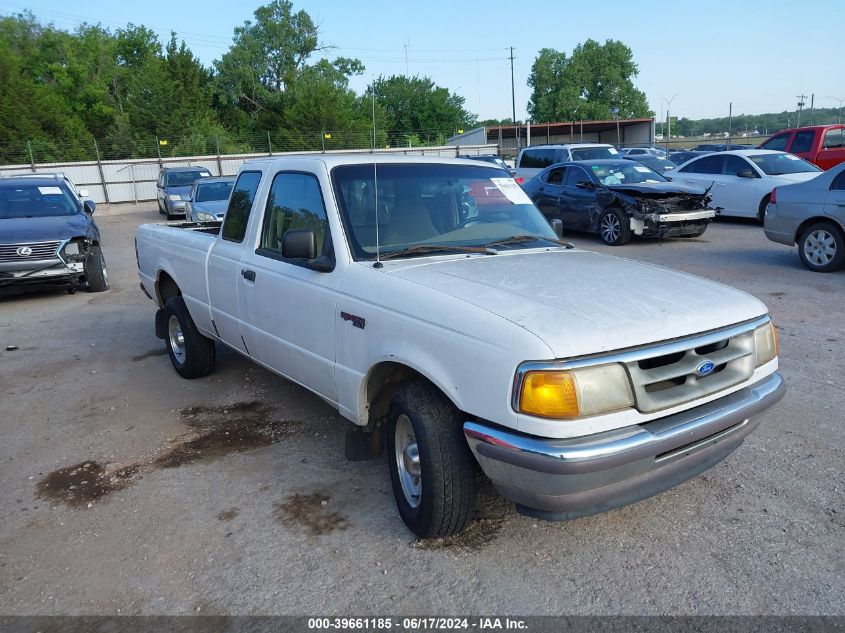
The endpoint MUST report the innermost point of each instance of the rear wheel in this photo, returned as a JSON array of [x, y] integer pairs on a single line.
[[432, 471], [821, 247], [761, 211], [191, 353], [96, 276], [614, 228]]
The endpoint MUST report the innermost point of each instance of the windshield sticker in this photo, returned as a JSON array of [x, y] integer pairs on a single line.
[[642, 170], [595, 167], [612, 150], [512, 191], [50, 191]]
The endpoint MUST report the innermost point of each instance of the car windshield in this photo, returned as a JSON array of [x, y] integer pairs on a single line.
[[593, 153], [36, 200], [624, 173], [778, 164], [208, 192], [184, 178], [433, 206]]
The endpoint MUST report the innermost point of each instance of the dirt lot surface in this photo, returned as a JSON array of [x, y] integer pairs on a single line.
[[126, 489]]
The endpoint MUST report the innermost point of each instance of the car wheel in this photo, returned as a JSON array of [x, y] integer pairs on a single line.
[[96, 276], [761, 211], [191, 353], [822, 247], [432, 471], [614, 228]]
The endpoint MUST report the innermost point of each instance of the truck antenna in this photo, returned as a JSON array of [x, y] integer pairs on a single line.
[[378, 263]]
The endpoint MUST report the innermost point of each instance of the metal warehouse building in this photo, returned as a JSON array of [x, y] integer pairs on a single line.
[[509, 138]]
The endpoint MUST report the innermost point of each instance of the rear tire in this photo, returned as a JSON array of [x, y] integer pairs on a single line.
[[614, 228], [432, 470], [821, 247], [191, 353], [761, 211], [96, 276]]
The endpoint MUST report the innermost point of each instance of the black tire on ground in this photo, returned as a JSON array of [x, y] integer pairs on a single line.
[[170, 217], [761, 211], [821, 247], [160, 210], [191, 353], [96, 277], [614, 228], [446, 500]]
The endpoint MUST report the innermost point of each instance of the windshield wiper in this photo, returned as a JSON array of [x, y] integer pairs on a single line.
[[517, 239], [423, 249]]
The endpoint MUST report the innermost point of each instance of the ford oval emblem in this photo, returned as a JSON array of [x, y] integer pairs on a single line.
[[24, 251], [705, 368]]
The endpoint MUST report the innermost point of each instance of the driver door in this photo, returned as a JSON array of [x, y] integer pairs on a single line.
[[548, 195], [579, 201]]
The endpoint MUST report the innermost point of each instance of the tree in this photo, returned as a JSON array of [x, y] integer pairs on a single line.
[[586, 85], [415, 105]]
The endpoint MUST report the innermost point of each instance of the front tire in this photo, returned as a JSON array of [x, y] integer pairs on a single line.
[[96, 276], [432, 471], [614, 228], [191, 353], [821, 247]]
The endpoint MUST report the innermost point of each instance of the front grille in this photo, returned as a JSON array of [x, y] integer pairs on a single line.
[[40, 250], [671, 379]]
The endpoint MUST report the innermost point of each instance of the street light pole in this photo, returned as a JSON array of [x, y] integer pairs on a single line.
[[668, 121]]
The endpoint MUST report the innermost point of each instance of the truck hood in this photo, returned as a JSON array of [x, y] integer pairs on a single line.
[[580, 302], [43, 229], [657, 189]]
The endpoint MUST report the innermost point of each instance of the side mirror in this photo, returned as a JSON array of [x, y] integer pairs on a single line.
[[557, 227], [746, 173], [89, 206], [299, 244], [585, 185]]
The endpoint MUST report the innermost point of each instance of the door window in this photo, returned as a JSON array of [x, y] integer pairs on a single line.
[[834, 139], [240, 204], [705, 165], [536, 158], [735, 164], [803, 142], [555, 176], [295, 202], [777, 143], [576, 175], [839, 183]]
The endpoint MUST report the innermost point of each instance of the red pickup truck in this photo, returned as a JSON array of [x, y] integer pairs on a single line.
[[822, 145]]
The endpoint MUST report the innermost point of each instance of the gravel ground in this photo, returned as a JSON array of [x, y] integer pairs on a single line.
[[128, 490]]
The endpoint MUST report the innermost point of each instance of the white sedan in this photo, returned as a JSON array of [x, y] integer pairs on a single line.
[[742, 180]]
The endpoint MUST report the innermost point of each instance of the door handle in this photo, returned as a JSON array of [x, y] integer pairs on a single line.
[[249, 275]]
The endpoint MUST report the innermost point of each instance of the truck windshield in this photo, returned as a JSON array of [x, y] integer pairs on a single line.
[[35, 200], [593, 153], [777, 164], [435, 205]]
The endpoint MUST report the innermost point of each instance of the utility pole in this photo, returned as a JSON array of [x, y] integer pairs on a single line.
[[513, 102], [800, 107], [812, 100], [405, 44], [668, 121], [730, 122]]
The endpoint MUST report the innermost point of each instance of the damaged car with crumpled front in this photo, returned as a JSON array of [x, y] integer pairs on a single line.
[[48, 238], [618, 199]]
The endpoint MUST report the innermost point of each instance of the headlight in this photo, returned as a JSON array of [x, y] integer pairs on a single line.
[[576, 392], [765, 343], [175, 197], [186, 196], [205, 217], [72, 249]]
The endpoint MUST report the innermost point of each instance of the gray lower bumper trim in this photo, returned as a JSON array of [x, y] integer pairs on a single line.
[[579, 476]]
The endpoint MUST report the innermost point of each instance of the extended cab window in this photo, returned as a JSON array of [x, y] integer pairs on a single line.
[[777, 143], [803, 142], [295, 202], [705, 165], [834, 139], [237, 215]]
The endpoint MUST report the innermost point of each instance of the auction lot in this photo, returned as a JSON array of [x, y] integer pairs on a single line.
[[230, 494]]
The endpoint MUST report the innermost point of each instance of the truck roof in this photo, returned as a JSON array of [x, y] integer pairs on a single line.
[[333, 160], [829, 126]]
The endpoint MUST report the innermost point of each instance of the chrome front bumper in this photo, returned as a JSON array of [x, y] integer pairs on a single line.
[[562, 479], [41, 271]]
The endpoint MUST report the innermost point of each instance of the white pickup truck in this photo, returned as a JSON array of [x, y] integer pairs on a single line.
[[431, 303]]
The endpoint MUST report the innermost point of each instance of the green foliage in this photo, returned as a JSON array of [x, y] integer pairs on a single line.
[[585, 85], [763, 123]]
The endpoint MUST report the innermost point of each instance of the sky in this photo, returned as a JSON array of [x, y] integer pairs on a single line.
[[701, 56]]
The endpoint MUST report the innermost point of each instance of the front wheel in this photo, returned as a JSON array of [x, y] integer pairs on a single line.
[[191, 353], [431, 468], [96, 277], [822, 247], [614, 228]]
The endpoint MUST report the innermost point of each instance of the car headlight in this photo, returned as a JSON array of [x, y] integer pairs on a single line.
[[205, 217], [765, 343], [573, 393], [186, 196], [175, 197], [73, 251]]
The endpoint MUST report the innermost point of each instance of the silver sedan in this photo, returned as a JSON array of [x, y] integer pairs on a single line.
[[812, 215]]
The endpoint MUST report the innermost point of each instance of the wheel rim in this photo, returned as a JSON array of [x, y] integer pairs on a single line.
[[103, 266], [610, 228], [407, 456], [176, 340], [820, 247]]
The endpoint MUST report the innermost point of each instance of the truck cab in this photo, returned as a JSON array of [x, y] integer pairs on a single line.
[[822, 145]]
